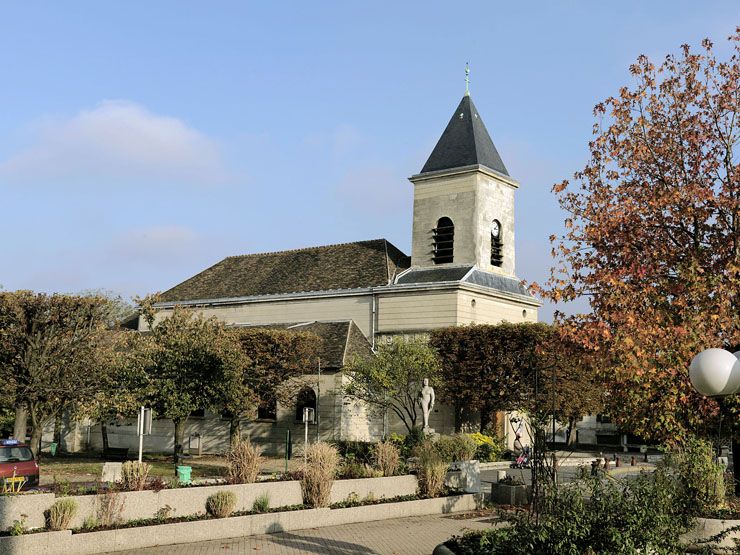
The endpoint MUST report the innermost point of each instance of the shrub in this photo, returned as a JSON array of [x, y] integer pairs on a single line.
[[354, 470], [245, 461], [221, 504], [458, 447], [632, 516], [351, 451], [387, 458], [488, 448], [415, 437], [134, 475], [322, 463], [157, 484], [60, 514], [431, 469], [261, 504], [702, 480], [399, 441]]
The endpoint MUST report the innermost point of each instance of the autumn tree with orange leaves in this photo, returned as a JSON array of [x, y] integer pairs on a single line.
[[652, 237]]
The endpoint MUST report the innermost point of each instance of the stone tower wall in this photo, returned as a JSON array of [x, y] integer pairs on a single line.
[[472, 200]]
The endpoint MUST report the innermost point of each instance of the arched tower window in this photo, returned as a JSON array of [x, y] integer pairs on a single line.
[[444, 238], [497, 246], [306, 398]]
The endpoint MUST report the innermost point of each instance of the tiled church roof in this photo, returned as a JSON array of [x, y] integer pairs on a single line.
[[342, 340], [346, 266]]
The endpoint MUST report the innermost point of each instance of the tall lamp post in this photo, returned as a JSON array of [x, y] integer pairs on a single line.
[[716, 374]]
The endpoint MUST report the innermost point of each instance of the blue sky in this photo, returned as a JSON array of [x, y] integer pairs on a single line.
[[141, 142]]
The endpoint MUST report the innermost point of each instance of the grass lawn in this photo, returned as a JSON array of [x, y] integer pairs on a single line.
[[75, 468]]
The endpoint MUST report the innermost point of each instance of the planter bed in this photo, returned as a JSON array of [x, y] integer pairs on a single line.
[[143, 505], [120, 539]]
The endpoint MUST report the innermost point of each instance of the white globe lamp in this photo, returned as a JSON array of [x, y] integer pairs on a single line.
[[715, 373]]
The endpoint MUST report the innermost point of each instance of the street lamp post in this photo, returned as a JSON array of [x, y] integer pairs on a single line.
[[715, 373]]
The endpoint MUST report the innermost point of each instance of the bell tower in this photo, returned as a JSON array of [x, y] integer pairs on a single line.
[[464, 200]]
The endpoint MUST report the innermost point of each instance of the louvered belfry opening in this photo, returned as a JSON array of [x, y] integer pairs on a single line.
[[497, 249], [444, 238]]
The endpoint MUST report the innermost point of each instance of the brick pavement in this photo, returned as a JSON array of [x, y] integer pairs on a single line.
[[404, 536]]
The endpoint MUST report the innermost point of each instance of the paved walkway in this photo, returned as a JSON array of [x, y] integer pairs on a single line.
[[404, 536]]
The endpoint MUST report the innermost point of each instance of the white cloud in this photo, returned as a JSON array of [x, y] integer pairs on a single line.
[[116, 140]]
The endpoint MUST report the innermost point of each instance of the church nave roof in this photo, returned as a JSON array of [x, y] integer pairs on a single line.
[[345, 266]]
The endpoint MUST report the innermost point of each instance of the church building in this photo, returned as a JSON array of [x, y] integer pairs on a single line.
[[461, 270]]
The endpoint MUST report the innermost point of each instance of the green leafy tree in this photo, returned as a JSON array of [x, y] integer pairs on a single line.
[[54, 352], [190, 363], [392, 379]]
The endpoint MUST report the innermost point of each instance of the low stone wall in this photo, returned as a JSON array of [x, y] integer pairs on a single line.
[[379, 488], [31, 504], [46, 542], [705, 528], [192, 500], [52, 543]]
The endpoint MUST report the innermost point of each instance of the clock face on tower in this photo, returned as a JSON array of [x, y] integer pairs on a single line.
[[496, 229]]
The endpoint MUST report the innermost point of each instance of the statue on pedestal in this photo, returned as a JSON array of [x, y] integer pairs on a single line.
[[426, 400]]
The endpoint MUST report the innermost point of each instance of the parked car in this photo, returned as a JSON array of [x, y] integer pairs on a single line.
[[17, 466]]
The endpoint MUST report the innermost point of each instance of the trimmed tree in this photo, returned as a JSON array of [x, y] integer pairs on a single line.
[[392, 379], [190, 363], [275, 361], [54, 352], [491, 368], [123, 386]]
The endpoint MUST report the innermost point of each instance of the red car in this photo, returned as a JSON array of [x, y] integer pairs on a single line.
[[18, 468]]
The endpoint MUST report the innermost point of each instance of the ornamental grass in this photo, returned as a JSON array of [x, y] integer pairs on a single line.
[[319, 471], [387, 458], [245, 461]]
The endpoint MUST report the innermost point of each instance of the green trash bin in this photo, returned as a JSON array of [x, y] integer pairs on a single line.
[[53, 449], [183, 474]]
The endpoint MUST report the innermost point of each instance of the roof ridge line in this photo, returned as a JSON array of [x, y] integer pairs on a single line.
[[306, 248], [473, 113]]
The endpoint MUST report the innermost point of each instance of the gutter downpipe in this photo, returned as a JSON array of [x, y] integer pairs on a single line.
[[318, 404], [373, 327], [372, 320]]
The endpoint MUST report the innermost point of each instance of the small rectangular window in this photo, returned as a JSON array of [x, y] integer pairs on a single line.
[[267, 411]]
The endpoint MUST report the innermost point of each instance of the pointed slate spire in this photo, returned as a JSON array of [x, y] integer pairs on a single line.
[[465, 142]]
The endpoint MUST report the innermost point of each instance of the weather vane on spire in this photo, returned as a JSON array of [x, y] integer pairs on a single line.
[[467, 78]]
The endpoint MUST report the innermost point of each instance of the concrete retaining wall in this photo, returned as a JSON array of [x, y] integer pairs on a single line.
[[706, 528], [52, 543], [46, 542], [189, 501], [31, 504], [379, 488]]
